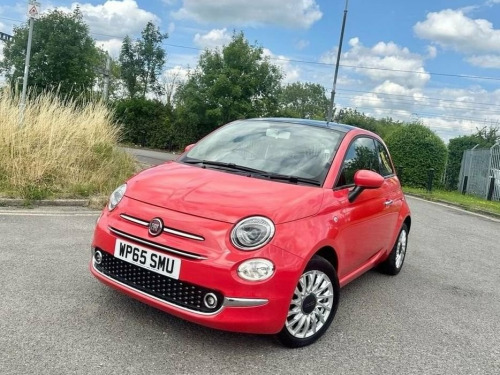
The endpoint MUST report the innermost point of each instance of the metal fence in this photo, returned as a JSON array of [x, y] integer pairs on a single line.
[[480, 173]]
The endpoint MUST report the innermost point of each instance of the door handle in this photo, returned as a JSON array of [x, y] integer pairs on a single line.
[[388, 202]]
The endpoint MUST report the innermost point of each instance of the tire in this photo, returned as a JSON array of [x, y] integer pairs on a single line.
[[393, 264], [313, 305]]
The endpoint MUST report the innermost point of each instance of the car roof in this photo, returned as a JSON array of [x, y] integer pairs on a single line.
[[321, 124]]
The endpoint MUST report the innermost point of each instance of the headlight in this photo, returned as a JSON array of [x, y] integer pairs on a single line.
[[252, 233], [116, 196], [256, 269]]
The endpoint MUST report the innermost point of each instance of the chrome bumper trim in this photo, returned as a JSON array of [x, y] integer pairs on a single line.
[[176, 232], [155, 245], [244, 302]]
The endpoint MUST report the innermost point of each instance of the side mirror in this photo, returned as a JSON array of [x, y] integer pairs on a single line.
[[364, 179], [189, 147]]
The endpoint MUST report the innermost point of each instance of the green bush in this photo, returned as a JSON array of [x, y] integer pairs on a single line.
[[417, 149], [144, 122]]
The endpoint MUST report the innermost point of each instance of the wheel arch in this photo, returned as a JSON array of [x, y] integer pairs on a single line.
[[407, 221], [329, 253]]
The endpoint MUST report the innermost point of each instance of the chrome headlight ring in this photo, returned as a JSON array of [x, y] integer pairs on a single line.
[[252, 233]]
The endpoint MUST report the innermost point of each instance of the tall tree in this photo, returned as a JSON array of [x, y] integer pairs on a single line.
[[142, 62], [304, 100], [231, 83], [63, 55]]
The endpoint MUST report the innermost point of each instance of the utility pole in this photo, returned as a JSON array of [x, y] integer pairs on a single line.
[[106, 77], [332, 99], [33, 9]]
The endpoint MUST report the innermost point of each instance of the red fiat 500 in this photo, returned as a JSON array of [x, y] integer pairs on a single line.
[[256, 227]]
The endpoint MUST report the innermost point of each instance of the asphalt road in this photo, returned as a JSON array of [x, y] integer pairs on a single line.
[[150, 157], [440, 315]]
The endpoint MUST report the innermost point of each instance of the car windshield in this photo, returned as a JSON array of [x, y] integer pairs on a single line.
[[288, 152]]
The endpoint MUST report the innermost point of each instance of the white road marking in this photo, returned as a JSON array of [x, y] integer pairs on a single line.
[[454, 208], [57, 214]]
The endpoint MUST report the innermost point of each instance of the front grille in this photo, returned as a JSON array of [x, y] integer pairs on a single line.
[[165, 288]]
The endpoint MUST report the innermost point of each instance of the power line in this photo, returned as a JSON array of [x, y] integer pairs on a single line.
[[418, 104], [427, 98], [452, 75], [420, 114]]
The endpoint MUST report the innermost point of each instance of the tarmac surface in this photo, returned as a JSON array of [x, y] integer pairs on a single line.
[[440, 315]]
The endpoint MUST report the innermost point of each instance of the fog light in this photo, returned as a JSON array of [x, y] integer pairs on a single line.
[[98, 257], [210, 300], [256, 269]]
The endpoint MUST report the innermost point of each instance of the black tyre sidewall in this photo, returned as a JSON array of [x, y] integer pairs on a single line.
[[320, 264], [389, 266]]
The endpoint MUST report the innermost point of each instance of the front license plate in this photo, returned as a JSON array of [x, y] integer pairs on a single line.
[[149, 259]]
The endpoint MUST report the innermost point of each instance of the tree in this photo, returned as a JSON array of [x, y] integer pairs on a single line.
[[235, 82], [383, 127], [142, 62], [483, 138], [144, 122], [63, 55], [303, 100], [417, 148]]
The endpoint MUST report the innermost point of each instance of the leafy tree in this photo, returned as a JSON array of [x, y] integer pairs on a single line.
[[144, 122], [303, 100], [352, 117], [63, 55], [233, 83], [416, 148], [383, 127], [142, 62], [485, 137]]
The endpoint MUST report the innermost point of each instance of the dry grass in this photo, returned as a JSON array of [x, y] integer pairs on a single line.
[[61, 150]]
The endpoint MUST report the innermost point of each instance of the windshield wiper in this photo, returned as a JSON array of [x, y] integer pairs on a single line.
[[227, 165], [294, 179], [271, 176]]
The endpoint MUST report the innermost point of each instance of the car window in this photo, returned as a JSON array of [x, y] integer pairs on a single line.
[[385, 160], [361, 154]]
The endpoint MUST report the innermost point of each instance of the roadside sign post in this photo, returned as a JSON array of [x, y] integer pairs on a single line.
[[33, 11], [5, 37]]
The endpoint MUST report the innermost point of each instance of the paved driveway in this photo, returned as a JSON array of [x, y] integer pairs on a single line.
[[440, 315]]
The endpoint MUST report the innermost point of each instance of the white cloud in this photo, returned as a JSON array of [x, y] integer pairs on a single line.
[[391, 63], [171, 28], [213, 39], [453, 29], [431, 52], [301, 44], [112, 46], [485, 61], [287, 13], [290, 72], [115, 18]]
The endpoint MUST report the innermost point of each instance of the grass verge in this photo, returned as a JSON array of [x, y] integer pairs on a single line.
[[468, 202], [61, 150]]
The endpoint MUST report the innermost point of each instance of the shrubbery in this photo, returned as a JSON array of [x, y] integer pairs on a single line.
[[61, 149], [416, 148], [144, 122]]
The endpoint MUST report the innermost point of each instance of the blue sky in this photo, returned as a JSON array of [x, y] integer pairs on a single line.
[[436, 61]]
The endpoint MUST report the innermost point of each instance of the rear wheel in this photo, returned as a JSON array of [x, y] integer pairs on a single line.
[[313, 305], [393, 264]]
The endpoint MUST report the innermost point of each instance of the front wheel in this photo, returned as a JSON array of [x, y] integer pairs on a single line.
[[313, 305], [393, 264]]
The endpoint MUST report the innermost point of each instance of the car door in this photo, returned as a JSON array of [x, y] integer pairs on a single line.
[[362, 224]]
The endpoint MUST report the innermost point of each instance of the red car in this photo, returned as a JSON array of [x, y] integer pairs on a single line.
[[256, 227]]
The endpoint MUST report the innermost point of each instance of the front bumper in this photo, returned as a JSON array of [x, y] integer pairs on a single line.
[[259, 307]]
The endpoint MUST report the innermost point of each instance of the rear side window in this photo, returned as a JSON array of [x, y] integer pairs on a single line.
[[385, 160], [362, 154]]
